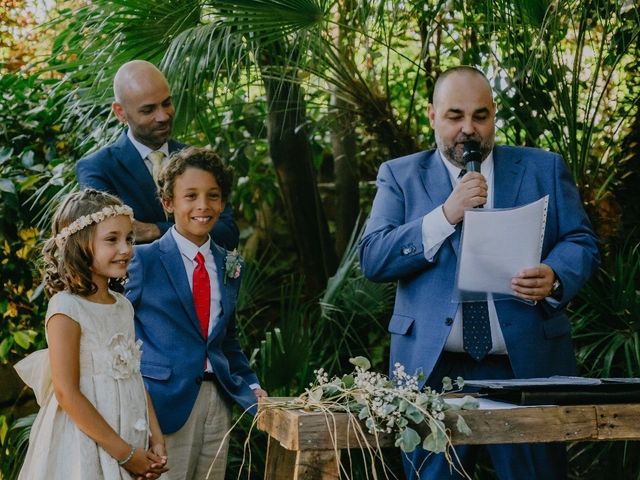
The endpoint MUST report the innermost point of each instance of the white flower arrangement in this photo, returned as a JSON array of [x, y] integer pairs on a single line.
[[89, 219], [381, 405], [125, 356], [232, 265], [390, 405]]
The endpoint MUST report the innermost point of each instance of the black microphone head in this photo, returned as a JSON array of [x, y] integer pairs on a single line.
[[472, 156]]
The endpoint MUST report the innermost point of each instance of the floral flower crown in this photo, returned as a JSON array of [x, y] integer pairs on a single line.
[[89, 219]]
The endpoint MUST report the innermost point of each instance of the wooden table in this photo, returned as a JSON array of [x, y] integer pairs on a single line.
[[306, 445]]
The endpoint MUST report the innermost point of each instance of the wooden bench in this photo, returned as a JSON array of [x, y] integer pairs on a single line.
[[306, 445]]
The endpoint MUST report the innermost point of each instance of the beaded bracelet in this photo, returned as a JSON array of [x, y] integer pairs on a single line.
[[128, 457]]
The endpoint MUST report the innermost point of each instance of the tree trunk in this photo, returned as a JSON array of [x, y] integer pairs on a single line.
[[291, 155], [343, 143], [347, 196]]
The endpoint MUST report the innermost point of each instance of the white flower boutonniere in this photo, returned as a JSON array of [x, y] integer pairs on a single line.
[[232, 265]]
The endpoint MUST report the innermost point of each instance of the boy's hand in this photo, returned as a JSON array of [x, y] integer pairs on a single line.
[[157, 454], [260, 393], [160, 450]]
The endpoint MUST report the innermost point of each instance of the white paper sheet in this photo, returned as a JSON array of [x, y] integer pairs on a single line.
[[497, 244], [488, 404]]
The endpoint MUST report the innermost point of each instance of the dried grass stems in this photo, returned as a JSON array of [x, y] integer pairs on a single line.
[[378, 407]]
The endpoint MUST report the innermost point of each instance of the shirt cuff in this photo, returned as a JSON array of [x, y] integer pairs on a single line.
[[435, 230], [254, 386]]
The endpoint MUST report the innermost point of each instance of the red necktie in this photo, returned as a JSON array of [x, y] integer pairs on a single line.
[[202, 294]]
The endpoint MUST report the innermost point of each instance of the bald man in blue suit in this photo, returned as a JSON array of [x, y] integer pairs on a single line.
[[412, 238], [143, 103]]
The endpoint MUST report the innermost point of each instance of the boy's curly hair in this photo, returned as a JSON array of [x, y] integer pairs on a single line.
[[67, 267], [201, 158]]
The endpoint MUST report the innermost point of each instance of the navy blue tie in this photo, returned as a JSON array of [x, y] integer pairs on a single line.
[[476, 329]]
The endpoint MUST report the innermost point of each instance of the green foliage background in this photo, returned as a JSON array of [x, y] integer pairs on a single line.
[[565, 79]]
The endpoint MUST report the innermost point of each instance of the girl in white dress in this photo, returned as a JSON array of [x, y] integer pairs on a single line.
[[96, 421]]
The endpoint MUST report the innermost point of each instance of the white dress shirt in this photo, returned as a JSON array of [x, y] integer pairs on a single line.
[[188, 251], [144, 151], [435, 230]]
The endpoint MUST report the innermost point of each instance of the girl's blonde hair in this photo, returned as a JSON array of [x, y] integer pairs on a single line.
[[67, 258]]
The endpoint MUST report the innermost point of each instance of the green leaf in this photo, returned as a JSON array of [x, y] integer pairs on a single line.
[[5, 346], [413, 414], [348, 381], [23, 338], [4, 428], [436, 441], [408, 440], [361, 362], [5, 154], [469, 403], [364, 413], [7, 185], [447, 384], [462, 426], [27, 158], [388, 408]]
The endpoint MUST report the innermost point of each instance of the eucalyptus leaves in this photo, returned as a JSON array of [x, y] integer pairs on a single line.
[[390, 405]]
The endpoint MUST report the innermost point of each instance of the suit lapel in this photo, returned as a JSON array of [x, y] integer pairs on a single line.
[[437, 184], [172, 261], [131, 161], [435, 178], [507, 177], [225, 291]]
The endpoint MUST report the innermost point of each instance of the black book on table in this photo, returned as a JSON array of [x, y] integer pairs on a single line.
[[559, 390]]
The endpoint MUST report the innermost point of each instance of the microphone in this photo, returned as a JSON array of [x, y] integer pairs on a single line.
[[472, 156]]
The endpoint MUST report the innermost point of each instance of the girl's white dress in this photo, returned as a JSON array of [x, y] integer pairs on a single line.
[[109, 378]]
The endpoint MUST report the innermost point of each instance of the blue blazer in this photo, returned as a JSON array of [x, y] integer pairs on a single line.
[[173, 349], [538, 337], [119, 169]]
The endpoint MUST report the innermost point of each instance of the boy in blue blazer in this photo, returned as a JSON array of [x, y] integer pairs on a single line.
[[183, 288]]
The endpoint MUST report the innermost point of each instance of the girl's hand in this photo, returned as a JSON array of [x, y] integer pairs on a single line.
[[156, 463], [139, 465]]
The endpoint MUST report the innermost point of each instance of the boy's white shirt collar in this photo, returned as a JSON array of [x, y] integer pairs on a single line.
[[143, 150], [188, 248]]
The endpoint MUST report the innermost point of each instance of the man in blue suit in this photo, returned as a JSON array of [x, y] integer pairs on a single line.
[[412, 238], [128, 167]]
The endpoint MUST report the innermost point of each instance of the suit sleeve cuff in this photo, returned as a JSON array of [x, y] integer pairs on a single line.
[[435, 230]]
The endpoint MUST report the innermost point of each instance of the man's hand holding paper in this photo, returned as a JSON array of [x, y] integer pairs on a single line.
[[500, 253], [535, 283]]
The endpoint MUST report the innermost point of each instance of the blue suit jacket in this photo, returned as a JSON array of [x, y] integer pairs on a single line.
[[120, 170], [173, 349], [538, 337]]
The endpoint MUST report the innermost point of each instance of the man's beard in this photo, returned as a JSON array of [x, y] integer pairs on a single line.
[[454, 151]]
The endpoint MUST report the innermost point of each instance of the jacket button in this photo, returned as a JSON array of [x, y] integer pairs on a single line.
[[449, 321]]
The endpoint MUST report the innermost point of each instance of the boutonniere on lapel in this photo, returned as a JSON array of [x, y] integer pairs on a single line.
[[232, 265]]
